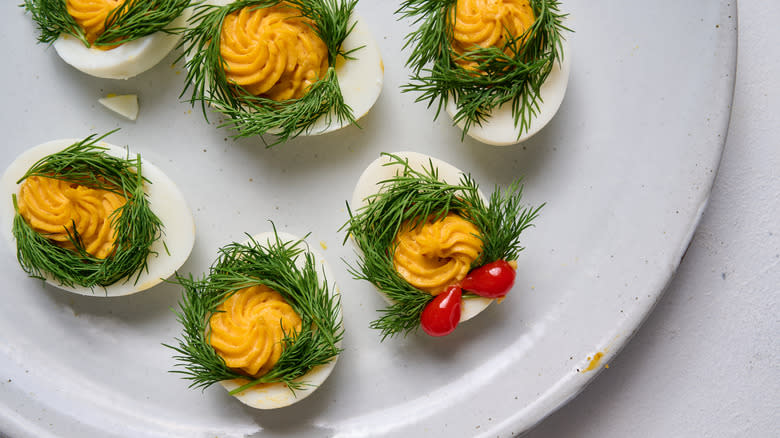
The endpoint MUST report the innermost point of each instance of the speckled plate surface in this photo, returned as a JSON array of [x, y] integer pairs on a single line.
[[625, 169]]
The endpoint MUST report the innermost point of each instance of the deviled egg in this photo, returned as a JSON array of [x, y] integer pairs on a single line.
[[437, 250], [277, 70], [113, 39], [86, 215], [265, 323], [505, 71]]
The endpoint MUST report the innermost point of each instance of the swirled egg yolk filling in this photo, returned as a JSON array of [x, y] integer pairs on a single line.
[[272, 52], [488, 23], [248, 329], [53, 207], [91, 16], [436, 254]]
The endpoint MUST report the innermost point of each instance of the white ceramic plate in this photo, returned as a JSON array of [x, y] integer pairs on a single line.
[[625, 168]]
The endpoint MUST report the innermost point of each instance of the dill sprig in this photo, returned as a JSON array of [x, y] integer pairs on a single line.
[[416, 196], [129, 21], [251, 115], [497, 79], [136, 227], [273, 264]]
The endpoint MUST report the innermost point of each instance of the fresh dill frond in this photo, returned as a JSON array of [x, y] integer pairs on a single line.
[[417, 196], [255, 116], [135, 225], [498, 78], [130, 20], [53, 19], [501, 222], [251, 115], [408, 302], [273, 264]]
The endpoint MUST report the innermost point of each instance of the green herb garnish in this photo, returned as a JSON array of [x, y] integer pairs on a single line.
[[274, 265], [416, 196], [129, 21], [498, 78], [136, 227], [251, 115]]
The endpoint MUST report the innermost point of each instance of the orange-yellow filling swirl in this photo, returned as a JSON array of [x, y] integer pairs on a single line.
[[248, 329], [272, 52], [489, 23], [52, 207], [91, 15], [437, 254]]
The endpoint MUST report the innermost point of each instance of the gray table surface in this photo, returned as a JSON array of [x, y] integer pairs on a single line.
[[705, 363]]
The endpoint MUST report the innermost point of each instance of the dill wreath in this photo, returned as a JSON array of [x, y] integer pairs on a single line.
[[417, 196], [251, 115], [135, 225], [498, 78], [127, 22], [275, 265]]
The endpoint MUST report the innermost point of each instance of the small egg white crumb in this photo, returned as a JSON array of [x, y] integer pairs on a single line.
[[125, 105]]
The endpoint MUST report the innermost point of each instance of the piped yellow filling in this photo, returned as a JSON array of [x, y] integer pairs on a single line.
[[436, 254], [272, 52], [52, 207], [248, 329], [488, 23], [91, 16]]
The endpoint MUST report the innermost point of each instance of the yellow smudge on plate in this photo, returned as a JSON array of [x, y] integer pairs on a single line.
[[594, 362]]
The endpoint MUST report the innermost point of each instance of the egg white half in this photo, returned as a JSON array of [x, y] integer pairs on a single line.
[[278, 395], [123, 62], [369, 184], [500, 130], [360, 79], [165, 199]]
